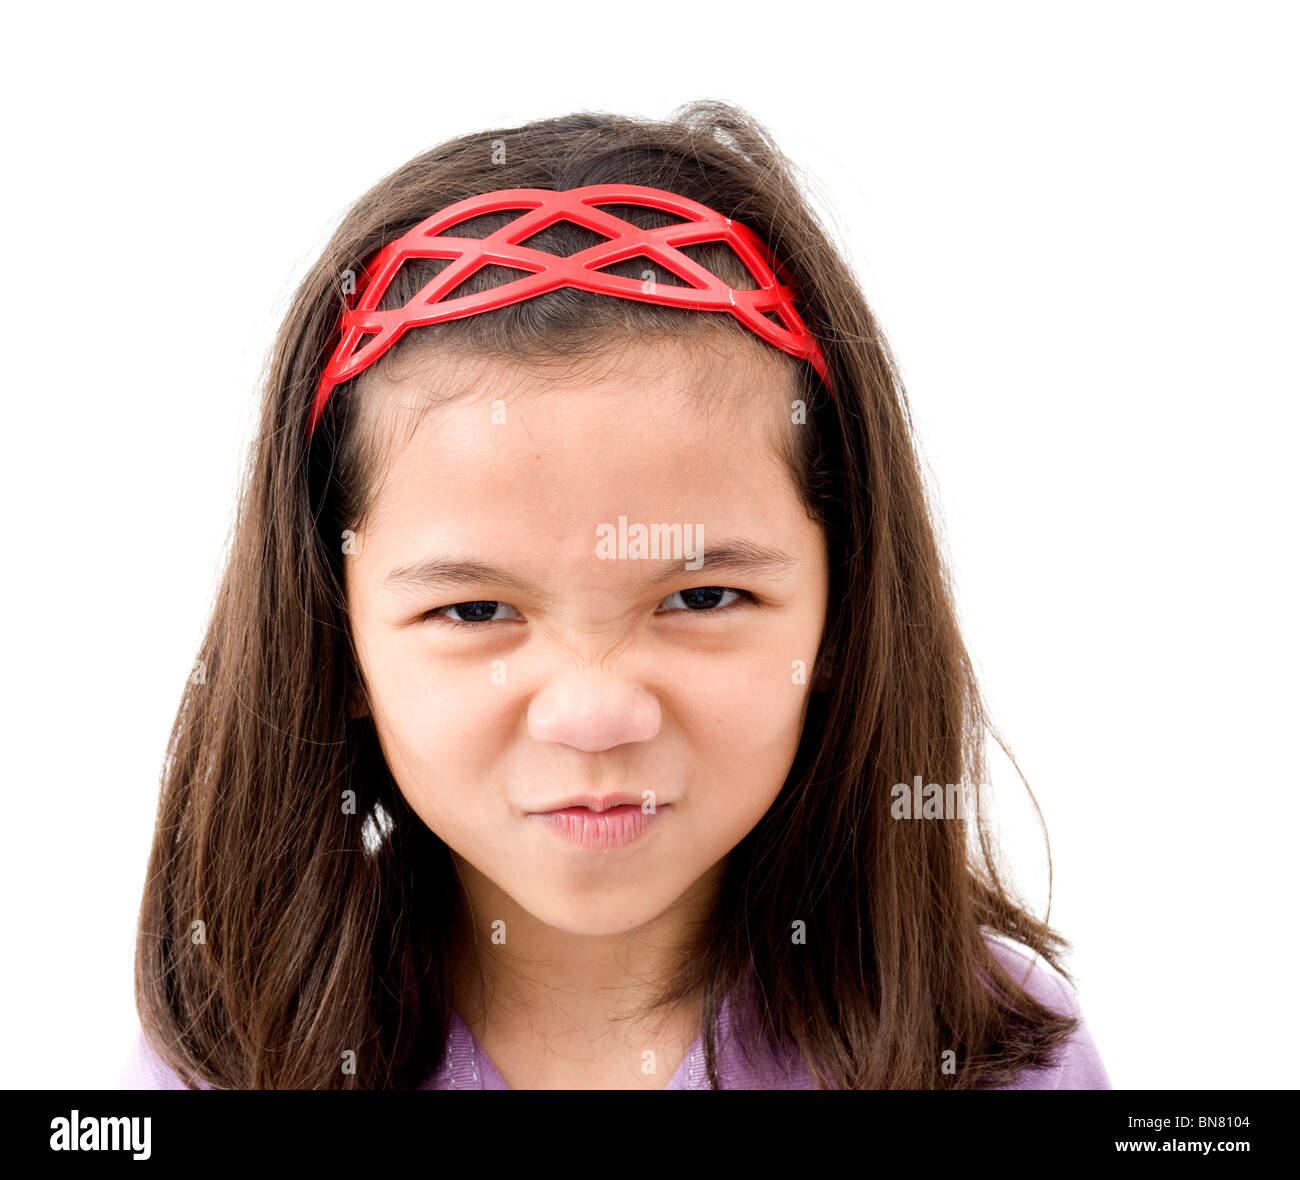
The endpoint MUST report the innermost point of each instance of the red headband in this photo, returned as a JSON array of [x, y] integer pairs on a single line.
[[538, 209]]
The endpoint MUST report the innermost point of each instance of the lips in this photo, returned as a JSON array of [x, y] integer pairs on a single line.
[[594, 803], [615, 826]]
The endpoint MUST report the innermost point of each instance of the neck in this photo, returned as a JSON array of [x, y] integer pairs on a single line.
[[569, 993]]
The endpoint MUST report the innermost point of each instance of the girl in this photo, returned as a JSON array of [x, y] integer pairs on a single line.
[[582, 617]]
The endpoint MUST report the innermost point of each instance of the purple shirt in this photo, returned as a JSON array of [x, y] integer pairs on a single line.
[[466, 1067]]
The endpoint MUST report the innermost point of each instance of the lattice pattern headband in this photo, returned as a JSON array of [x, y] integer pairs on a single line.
[[540, 208]]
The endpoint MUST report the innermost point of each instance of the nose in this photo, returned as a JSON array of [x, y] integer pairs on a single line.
[[593, 712]]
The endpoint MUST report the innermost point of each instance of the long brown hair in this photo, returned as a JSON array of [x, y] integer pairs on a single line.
[[298, 910]]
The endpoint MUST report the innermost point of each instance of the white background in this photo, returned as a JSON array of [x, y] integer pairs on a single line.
[[1077, 226]]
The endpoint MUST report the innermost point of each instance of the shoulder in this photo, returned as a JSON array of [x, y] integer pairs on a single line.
[[145, 1070], [1042, 981], [1078, 1064]]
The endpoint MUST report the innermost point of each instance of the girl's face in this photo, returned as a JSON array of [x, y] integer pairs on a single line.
[[570, 672]]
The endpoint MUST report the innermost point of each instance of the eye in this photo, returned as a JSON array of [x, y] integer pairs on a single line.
[[698, 599], [704, 599], [472, 614]]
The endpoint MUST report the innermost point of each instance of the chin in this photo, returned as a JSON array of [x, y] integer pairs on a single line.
[[619, 911]]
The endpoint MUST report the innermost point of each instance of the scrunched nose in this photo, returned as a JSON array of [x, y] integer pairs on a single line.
[[593, 713]]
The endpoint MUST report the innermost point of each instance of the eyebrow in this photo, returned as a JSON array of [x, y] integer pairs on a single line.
[[732, 557]]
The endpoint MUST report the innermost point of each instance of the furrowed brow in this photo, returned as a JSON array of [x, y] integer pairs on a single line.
[[730, 557]]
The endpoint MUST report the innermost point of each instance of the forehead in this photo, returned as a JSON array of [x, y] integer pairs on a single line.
[[730, 393], [709, 371], [522, 465]]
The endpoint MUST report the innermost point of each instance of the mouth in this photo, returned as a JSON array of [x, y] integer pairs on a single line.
[[609, 827], [596, 804]]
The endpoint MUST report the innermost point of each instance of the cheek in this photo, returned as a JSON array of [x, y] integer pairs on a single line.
[[745, 708], [745, 713], [739, 723], [437, 720]]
